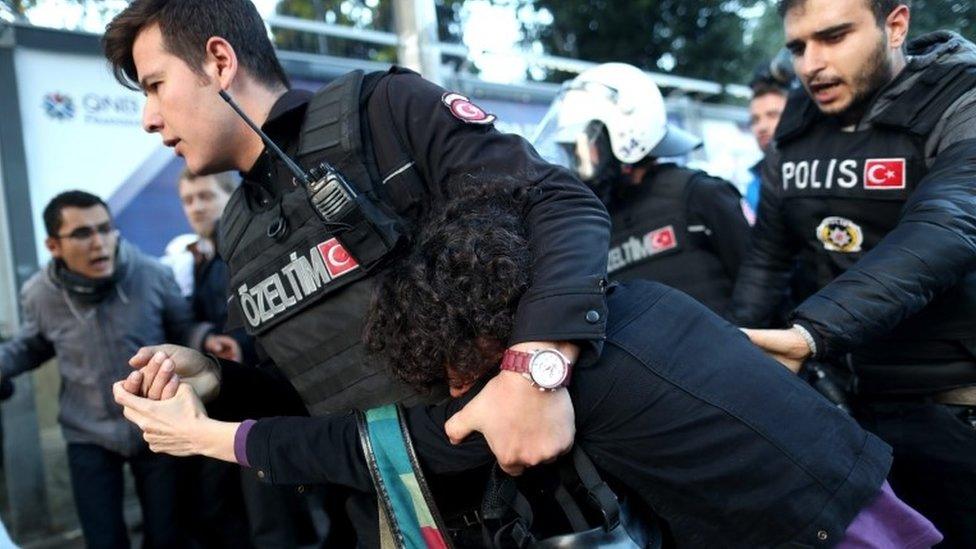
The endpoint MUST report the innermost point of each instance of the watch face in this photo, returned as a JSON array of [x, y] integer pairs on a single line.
[[548, 369]]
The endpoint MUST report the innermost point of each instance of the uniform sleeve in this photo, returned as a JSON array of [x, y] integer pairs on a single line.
[[958, 124], [717, 205], [930, 250], [178, 320], [764, 275], [29, 348], [568, 226], [294, 450]]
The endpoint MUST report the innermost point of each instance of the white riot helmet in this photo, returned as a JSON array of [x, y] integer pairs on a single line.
[[624, 101]]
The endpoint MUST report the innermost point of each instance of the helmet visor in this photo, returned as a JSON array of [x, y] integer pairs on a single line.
[[580, 145], [583, 148], [555, 131]]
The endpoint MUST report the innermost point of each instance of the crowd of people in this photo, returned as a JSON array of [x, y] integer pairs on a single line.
[[441, 335]]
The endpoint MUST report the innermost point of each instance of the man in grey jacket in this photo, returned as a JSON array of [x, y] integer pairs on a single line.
[[97, 302]]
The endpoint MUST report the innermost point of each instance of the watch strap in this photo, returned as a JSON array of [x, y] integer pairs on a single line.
[[520, 362], [516, 361]]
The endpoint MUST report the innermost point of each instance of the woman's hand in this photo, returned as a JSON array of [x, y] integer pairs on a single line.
[[178, 426]]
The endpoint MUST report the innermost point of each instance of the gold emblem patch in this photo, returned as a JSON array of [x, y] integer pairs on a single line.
[[839, 234]]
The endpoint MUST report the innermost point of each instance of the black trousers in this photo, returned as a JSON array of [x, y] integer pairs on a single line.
[[211, 506], [934, 467], [97, 483], [279, 516]]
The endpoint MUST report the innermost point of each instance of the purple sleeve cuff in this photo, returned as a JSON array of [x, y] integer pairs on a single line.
[[240, 442], [889, 522]]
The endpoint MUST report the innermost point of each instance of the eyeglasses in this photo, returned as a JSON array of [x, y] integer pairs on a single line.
[[84, 234]]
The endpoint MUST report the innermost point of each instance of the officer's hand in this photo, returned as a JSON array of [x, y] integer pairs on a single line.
[[223, 346], [786, 346], [523, 425], [159, 363]]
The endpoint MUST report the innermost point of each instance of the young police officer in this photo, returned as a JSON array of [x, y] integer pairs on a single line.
[[301, 276], [671, 224], [873, 172]]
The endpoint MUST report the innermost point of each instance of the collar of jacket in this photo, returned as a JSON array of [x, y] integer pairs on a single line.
[[924, 52], [281, 126]]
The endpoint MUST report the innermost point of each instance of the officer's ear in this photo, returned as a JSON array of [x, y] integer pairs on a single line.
[[221, 62], [896, 26]]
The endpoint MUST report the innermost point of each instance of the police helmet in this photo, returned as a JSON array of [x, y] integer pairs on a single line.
[[609, 115]]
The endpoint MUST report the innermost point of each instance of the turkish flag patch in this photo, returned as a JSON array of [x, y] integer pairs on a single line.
[[884, 173], [338, 261], [660, 240], [464, 110]]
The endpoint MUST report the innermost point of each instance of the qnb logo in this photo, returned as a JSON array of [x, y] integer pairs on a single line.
[[59, 106]]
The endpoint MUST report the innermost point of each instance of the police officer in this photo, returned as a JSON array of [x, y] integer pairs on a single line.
[[873, 172], [303, 254], [671, 224], [770, 86]]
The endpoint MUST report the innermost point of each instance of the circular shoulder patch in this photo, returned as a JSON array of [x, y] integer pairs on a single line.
[[464, 110], [839, 234]]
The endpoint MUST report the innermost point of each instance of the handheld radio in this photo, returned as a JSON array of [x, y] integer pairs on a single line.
[[363, 227]]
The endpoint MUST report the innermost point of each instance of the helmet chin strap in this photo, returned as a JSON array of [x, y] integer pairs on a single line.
[[606, 180], [596, 165], [585, 157]]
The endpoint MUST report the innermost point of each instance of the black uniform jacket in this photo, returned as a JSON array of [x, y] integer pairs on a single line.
[[568, 225], [931, 250], [715, 208], [710, 238], [725, 444]]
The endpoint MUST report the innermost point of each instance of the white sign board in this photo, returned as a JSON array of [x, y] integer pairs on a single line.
[[82, 130]]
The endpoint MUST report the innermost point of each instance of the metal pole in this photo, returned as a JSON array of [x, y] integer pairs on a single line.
[[24, 465], [416, 28]]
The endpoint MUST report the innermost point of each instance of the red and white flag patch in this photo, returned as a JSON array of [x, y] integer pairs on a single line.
[[884, 173], [338, 261], [660, 240], [464, 110]]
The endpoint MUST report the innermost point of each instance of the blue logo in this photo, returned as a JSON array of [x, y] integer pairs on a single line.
[[59, 106]]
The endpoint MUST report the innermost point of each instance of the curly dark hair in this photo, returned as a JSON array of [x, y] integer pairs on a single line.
[[451, 300]]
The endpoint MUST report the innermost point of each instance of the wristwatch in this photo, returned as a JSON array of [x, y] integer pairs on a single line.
[[547, 369]]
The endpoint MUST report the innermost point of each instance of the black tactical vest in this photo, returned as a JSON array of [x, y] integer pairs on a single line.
[[302, 295], [652, 240], [842, 192]]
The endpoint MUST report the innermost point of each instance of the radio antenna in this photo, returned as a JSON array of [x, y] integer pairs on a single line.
[[300, 174]]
